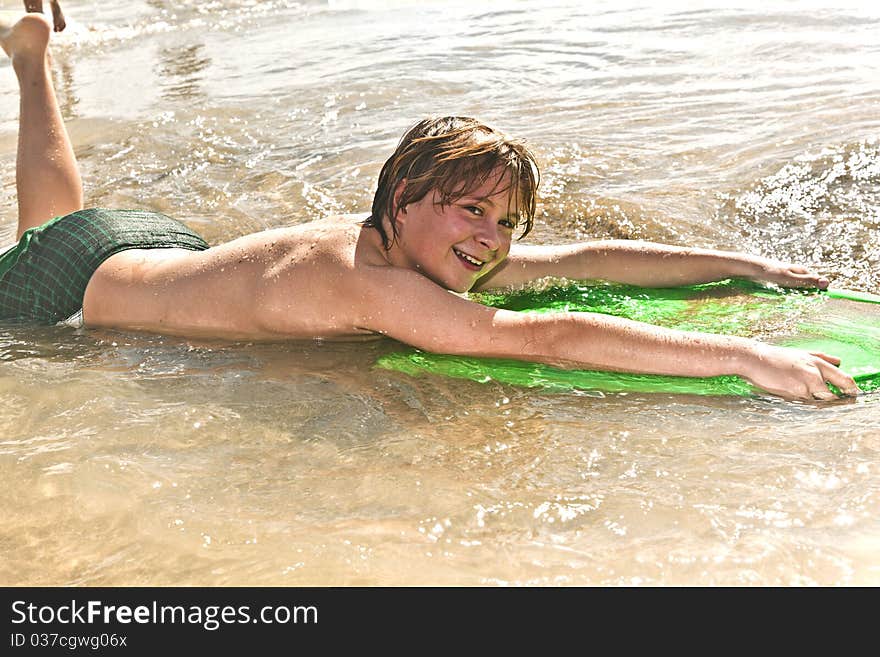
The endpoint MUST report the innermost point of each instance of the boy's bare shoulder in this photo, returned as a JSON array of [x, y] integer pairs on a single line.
[[339, 242], [329, 267], [356, 245]]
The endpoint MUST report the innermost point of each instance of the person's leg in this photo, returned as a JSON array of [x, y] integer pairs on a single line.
[[47, 178], [58, 16]]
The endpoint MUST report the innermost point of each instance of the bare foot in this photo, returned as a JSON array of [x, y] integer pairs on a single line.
[[24, 38], [36, 6]]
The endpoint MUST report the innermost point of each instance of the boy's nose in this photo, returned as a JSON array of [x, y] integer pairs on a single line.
[[489, 236]]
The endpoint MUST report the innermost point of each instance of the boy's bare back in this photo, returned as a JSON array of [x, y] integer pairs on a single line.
[[295, 282]]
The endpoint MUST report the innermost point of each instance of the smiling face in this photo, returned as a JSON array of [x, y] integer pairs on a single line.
[[456, 244], [442, 159], [450, 197]]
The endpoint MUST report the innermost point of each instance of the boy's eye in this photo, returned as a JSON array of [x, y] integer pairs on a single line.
[[473, 209], [508, 223]]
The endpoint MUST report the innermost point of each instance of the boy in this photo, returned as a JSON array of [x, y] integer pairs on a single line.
[[448, 203]]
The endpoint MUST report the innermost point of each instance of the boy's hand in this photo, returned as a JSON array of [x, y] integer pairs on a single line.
[[785, 274], [797, 374]]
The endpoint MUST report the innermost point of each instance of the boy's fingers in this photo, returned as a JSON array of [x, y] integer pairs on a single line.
[[839, 380], [808, 280], [834, 360], [824, 395]]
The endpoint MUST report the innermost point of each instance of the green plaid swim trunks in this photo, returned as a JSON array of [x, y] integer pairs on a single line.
[[43, 278]]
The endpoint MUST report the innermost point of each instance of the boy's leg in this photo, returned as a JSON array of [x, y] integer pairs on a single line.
[[47, 178], [58, 16]]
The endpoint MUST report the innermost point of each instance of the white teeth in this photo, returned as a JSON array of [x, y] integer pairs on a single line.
[[473, 261]]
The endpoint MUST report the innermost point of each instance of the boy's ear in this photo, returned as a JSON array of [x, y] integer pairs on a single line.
[[398, 192]]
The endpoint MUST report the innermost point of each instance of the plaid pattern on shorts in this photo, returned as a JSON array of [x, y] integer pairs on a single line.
[[44, 277]]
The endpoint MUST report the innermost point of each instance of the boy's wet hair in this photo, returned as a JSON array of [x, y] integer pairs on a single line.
[[454, 155]]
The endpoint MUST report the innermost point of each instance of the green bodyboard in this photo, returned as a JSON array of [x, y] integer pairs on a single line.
[[842, 324]]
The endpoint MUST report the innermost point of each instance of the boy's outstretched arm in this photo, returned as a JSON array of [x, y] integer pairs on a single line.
[[408, 307], [643, 263]]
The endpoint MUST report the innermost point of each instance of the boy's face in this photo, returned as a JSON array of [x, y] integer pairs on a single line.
[[458, 244]]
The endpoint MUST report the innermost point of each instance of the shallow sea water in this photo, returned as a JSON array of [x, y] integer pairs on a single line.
[[136, 459]]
